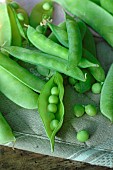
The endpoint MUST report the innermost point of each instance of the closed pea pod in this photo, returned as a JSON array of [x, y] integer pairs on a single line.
[[106, 99], [38, 58], [21, 73], [6, 134], [52, 125], [17, 91]]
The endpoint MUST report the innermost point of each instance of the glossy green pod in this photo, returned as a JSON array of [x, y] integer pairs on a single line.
[[56, 80], [106, 99], [6, 134]]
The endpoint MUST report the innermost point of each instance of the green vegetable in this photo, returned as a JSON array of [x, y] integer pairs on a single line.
[[15, 5], [72, 81], [96, 1], [106, 99], [52, 108], [55, 91], [96, 88], [6, 134], [107, 5], [79, 110], [55, 81], [47, 6], [91, 110], [20, 16], [53, 99], [82, 136], [87, 11]]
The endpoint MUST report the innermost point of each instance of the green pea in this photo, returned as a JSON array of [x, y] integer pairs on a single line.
[[54, 91], [54, 124], [20, 16], [83, 136], [96, 88], [50, 115], [6, 134], [47, 6], [79, 110], [15, 5], [91, 110], [52, 108], [72, 81], [53, 99]]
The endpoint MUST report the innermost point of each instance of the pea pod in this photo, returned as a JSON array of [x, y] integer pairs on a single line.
[[84, 63], [6, 134], [21, 73], [96, 1], [102, 23], [16, 37], [55, 81], [38, 13], [75, 43], [17, 91], [82, 87], [107, 5], [38, 58], [5, 26]]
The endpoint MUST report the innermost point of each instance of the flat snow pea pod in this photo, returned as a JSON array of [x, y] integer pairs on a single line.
[[5, 26], [17, 91], [102, 23], [21, 73], [38, 58], [75, 43], [38, 13], [6, 134], [82, 87], [55, 81], [45, 44], [84, 63], [89, 43], [16, 37], [107, 5], [106, 99], [97, 72]]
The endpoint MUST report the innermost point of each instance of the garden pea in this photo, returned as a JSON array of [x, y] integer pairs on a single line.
[[6, 134], [20, 16], [52, 124], [96, 88], [79, 110], [82, 136], [91, 110], [53, 99]]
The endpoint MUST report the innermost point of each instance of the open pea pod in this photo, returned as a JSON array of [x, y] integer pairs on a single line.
[[6, 134], [38, 13], [5, 26], [56, 80]]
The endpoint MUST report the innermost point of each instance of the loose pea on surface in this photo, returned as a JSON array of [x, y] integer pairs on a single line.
[[54, 90], [79, 110], [53, 99], [96, 88], [54, 123], [52, 108], [91, 110], [83, 136]]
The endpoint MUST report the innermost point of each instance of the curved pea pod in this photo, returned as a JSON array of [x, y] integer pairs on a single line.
[[82, 87], [16, 37], [6, 134], [106, 99], [75, 43], [21, 73], [97, 72], [84, 63], [82, 27], [102, 23], [56, 80], [89, 43], [5, 26], [38, 13], [48, 61], [17, 91], [107, 5]]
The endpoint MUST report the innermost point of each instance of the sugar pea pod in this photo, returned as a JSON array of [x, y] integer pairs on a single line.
[[6, 134], [84, 63], [97, 72], [17, 91], [38, 58], [75, 43], [21, 73], [89, 43], [82, 87], [106, 99], [5, 26], [16, 37], [39, 12], [102, 23], [55, 81], [107, 5], [82, 27]]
